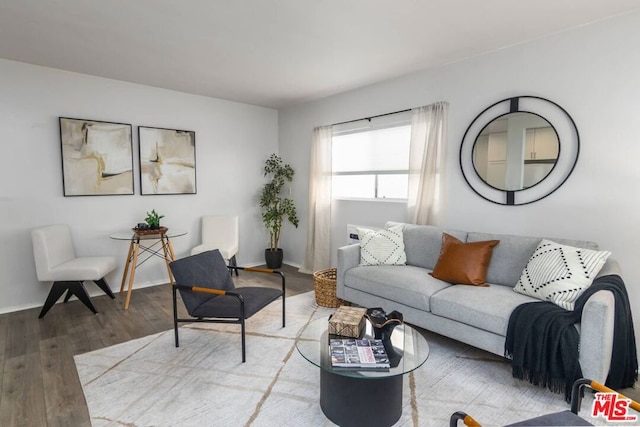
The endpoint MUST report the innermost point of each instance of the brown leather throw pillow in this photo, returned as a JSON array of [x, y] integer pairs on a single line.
[[464, 263]]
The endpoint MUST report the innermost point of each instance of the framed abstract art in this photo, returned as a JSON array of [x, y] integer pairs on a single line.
[[97, 157], [167, 161]]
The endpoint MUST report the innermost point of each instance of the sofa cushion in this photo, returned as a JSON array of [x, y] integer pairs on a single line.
[[423, 243], [487, 308], [382, 247], [512, 254], [464, 263], [559, 273], [408, 285]]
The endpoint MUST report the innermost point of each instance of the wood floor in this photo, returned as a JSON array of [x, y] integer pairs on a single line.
[[40, 385]]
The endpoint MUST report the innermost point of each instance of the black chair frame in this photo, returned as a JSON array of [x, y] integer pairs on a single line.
[[233, 263], [577, 392], [73, 287], [240, 320]]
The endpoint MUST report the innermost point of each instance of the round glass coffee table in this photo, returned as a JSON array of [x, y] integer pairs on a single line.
[[363, 397]]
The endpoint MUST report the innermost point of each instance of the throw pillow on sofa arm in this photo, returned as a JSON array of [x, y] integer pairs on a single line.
[[560, 273]]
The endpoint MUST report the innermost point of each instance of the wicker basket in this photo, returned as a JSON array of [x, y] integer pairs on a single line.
[[324, 283]]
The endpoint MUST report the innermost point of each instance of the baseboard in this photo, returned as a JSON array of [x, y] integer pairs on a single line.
[[292, 264], [255, 264], [15, 308]]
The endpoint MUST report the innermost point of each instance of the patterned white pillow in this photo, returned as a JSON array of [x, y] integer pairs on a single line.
[[382, 247], [559, 273]]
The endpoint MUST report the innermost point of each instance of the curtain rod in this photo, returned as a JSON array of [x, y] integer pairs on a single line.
[[371, 117]]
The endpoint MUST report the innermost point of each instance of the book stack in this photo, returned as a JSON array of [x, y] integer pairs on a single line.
[[352, 353]]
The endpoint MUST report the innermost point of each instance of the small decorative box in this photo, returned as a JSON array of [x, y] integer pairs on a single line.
[[347, 321]]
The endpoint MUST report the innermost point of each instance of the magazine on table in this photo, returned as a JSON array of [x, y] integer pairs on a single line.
[[356, 353]]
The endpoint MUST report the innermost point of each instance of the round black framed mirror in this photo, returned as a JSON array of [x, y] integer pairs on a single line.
[[515, 151], [519, 150]]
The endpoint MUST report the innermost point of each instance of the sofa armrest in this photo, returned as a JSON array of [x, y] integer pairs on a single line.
[[596, 336], [348, 257], [610, 267], [596, 329]]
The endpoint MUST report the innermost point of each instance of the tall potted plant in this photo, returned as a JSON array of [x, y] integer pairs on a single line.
[[275, 207]]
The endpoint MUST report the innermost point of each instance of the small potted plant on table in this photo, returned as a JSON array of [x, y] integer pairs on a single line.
[[151, 224], [153, 219]]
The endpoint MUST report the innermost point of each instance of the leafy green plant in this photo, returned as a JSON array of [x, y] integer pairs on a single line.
[[153, 219], [275, 207]]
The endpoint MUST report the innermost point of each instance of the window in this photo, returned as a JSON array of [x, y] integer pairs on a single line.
[[372, 162]]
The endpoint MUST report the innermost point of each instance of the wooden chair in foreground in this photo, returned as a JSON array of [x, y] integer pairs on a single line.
[[209, 294], [562, 418]]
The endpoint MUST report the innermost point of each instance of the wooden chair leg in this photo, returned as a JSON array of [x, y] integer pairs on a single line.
[[68, 295]]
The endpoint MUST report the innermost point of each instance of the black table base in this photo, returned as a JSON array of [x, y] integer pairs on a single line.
[[353, 401]]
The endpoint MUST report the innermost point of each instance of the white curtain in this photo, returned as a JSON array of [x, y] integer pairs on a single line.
[[427, 161], [317, 254]]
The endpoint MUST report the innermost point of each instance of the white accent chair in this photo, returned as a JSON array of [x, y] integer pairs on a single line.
[[221, 233], [56, 262]]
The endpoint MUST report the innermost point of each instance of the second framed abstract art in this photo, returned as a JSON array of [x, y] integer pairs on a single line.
[[167, 161]]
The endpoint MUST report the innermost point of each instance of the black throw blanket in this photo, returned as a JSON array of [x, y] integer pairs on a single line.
[[543, 343]]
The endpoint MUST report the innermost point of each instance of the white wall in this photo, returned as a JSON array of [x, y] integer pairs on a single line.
[[232, 142], [591, 71]]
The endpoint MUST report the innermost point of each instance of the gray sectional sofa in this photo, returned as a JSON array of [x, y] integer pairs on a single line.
[[475, 315]]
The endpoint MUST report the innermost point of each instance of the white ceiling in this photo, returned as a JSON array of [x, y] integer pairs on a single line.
[[275, 53]]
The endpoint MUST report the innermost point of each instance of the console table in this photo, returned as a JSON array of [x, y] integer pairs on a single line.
[[158, 244]]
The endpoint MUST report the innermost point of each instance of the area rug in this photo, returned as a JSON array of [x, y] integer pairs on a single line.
[[149, 382]]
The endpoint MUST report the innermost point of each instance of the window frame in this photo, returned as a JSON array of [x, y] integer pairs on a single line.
[[376, 174], [369, 125]]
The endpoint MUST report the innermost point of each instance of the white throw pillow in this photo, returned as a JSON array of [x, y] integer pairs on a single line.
[[559, 273], [382, 247]]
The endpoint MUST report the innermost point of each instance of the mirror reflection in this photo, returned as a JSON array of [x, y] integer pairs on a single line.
[[515, 151]]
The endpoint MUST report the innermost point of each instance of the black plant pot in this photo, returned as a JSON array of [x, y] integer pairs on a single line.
[[273, 258]]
